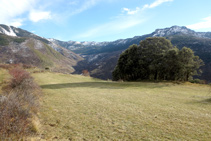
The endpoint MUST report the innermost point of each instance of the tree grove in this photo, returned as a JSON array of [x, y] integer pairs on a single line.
[[155, 58]]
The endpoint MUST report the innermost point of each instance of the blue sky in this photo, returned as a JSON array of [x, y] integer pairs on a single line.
[[103, 20]]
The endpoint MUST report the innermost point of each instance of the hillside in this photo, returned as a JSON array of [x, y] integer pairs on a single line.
[[33, 52], [82, 108], [20, 46]]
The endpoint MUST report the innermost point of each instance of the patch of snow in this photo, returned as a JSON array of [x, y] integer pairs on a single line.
[[16, 31], [10, 33], [122, 41], [71, 42], [54, 46], [84, 56], [77, 43], [38, 44], [88, 43], [11, 61], [15, 49], [51, 39], [92, 58], [172, 30]]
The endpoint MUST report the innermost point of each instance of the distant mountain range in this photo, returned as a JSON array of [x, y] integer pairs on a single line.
[[88, 48], [100, 58]]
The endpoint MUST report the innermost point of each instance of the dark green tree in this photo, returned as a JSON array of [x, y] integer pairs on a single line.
[[156, 59], [189, 64], [171, 65], [128, 65], [152, 52]]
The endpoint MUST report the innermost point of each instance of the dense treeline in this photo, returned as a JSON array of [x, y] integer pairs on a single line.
[[157, 59]]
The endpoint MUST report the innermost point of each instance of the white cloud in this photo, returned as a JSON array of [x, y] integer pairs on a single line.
[[84, 6], [10, 10], [16, 22], [156, 3], [116, 26], [73, 2], [146, 6], [36, 16], [123, 22], [206, 23], [131, 12], [13, 12]]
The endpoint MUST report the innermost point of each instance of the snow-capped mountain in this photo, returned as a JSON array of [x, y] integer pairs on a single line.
[[16, 32], [172, 31], [175, 30], [88, 48], [8, 30]]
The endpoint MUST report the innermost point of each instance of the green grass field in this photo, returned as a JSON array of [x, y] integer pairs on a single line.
[[82, 108]]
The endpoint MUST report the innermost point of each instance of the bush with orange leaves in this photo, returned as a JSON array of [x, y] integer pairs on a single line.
[[85, 73]]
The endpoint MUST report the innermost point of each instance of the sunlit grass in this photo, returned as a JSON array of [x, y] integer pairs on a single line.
[[4, 76], [82, 108]]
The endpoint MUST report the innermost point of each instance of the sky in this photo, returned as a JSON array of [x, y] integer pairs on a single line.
[[103, 20]]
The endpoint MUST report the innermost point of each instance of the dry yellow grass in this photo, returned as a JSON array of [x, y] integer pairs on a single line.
[[81, 108], [4, 76]]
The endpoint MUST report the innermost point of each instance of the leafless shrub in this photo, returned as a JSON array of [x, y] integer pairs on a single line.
[[10, 66], [4, 66], [19, 103], [13, 117], [25, 66]]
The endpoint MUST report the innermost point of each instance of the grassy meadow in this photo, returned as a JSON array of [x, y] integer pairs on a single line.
[[82, 108]]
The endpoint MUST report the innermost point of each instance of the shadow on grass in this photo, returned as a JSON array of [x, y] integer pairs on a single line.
[[206, 101], [102, 85]]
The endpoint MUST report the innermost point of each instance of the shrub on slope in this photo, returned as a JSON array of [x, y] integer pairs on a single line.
[[19, 104]]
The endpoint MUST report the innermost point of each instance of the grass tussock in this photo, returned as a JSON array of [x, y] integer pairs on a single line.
[[19, 104]]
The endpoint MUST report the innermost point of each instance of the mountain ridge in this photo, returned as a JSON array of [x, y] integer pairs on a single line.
[[100, 58], [89, 48]]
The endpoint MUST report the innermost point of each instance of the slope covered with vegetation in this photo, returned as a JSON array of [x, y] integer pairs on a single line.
[[34, 52], [82, 108]]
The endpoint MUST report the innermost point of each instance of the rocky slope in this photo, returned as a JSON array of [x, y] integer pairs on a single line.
[[20, 46]]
